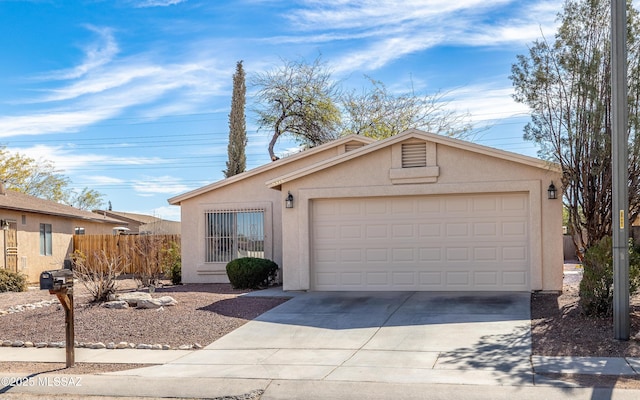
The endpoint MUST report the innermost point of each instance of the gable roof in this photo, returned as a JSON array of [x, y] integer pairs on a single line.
[[127, 216], [16, 201], [266, 167], [414, 134]]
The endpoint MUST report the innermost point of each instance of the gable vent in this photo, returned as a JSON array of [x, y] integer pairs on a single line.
[[414, 155], [352, 146]]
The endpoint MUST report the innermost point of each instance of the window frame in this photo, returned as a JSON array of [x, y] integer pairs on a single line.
[[46, 239], [228, 243]]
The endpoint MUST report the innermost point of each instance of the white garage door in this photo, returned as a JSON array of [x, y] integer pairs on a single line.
[[453, 242]]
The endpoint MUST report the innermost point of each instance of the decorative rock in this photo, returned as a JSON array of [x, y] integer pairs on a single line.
[[28, 344], [197, 346], [166, 347], [98, 345], [122, 345], [116, 304], [7, 343], [132, 298], [156, 347], [132, 345], [17, 343], [149, 304], [167, 301], [57, 344], [184, 347], [41, 345], [3, 312], [143, 346], [111, 345], [157, 303]]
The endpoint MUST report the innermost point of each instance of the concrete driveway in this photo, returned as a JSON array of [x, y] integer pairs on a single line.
[[396, 337]]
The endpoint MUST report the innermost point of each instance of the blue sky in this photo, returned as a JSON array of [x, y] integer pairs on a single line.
[[131, 97]]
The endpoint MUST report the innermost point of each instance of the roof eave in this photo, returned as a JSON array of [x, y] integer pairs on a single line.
[[176, 200], [414, 133]]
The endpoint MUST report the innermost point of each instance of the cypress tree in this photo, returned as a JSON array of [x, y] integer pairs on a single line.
[[237, 126]]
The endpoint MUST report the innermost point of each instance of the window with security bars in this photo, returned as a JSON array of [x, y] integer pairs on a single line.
[[231, 234], [414, 155]]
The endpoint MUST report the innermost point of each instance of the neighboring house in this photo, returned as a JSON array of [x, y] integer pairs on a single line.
[[416, 211], [38, 234], [160, 227], [141, 223]]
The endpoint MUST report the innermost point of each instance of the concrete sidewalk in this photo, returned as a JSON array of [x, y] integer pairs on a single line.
[[349, 345]]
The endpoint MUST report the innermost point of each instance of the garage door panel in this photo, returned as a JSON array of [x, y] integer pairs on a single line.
[[470, 242]]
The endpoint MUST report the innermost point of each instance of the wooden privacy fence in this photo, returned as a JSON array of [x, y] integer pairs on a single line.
[[140, 254]]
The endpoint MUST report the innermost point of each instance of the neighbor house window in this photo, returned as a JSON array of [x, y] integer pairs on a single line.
[[231, 234], [45, 240], [79, 231]]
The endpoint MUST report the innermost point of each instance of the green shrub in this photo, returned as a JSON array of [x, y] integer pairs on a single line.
[[172, 264], [251, 272], [596, 287], [12, 281]]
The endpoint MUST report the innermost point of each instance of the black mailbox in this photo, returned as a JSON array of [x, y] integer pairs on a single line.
[[46, 281], [56, 280]]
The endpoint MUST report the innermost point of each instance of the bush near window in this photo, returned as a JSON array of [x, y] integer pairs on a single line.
[[596, 287], [12, 281], [251, 272]]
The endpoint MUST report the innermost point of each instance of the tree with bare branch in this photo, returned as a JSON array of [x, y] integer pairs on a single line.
[[566, 84]]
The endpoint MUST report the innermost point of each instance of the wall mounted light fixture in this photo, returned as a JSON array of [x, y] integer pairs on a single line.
[[288, 202], [4, 224], [552, 192]]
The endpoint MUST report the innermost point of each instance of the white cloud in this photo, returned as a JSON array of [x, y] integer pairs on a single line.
[[153, 185], [485, 102], [96, 55], [105, 89], [171, 213], [157, 3], [390, 30], [67, 160]]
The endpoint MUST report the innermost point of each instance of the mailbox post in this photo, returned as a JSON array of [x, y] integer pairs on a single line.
[[60, 283]]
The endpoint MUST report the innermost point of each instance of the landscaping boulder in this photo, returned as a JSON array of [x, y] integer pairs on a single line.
[[116, 304], [157, 303], [132, 298]]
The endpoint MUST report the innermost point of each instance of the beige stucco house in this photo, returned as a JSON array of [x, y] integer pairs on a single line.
[[416, 211], [37, 234]]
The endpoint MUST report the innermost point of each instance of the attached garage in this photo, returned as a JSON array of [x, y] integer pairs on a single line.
[[419, 211], [439, 242]]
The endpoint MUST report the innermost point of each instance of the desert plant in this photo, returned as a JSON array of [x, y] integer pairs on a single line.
[[98, 273], [596, 287], [12, 281], [251, 272], [171, 263], [150, 267]]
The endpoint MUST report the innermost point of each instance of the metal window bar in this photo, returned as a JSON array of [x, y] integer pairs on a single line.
[[230, 234]]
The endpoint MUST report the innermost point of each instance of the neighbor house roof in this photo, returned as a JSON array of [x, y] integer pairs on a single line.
[[414, 134], [258, 170], [16, 201], [128, 217]]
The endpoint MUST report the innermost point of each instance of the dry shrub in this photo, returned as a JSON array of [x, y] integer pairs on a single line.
[[98, 273]]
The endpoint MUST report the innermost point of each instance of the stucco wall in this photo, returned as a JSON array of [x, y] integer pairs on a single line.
[[244, 193], [30, 262], [460, 171]]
